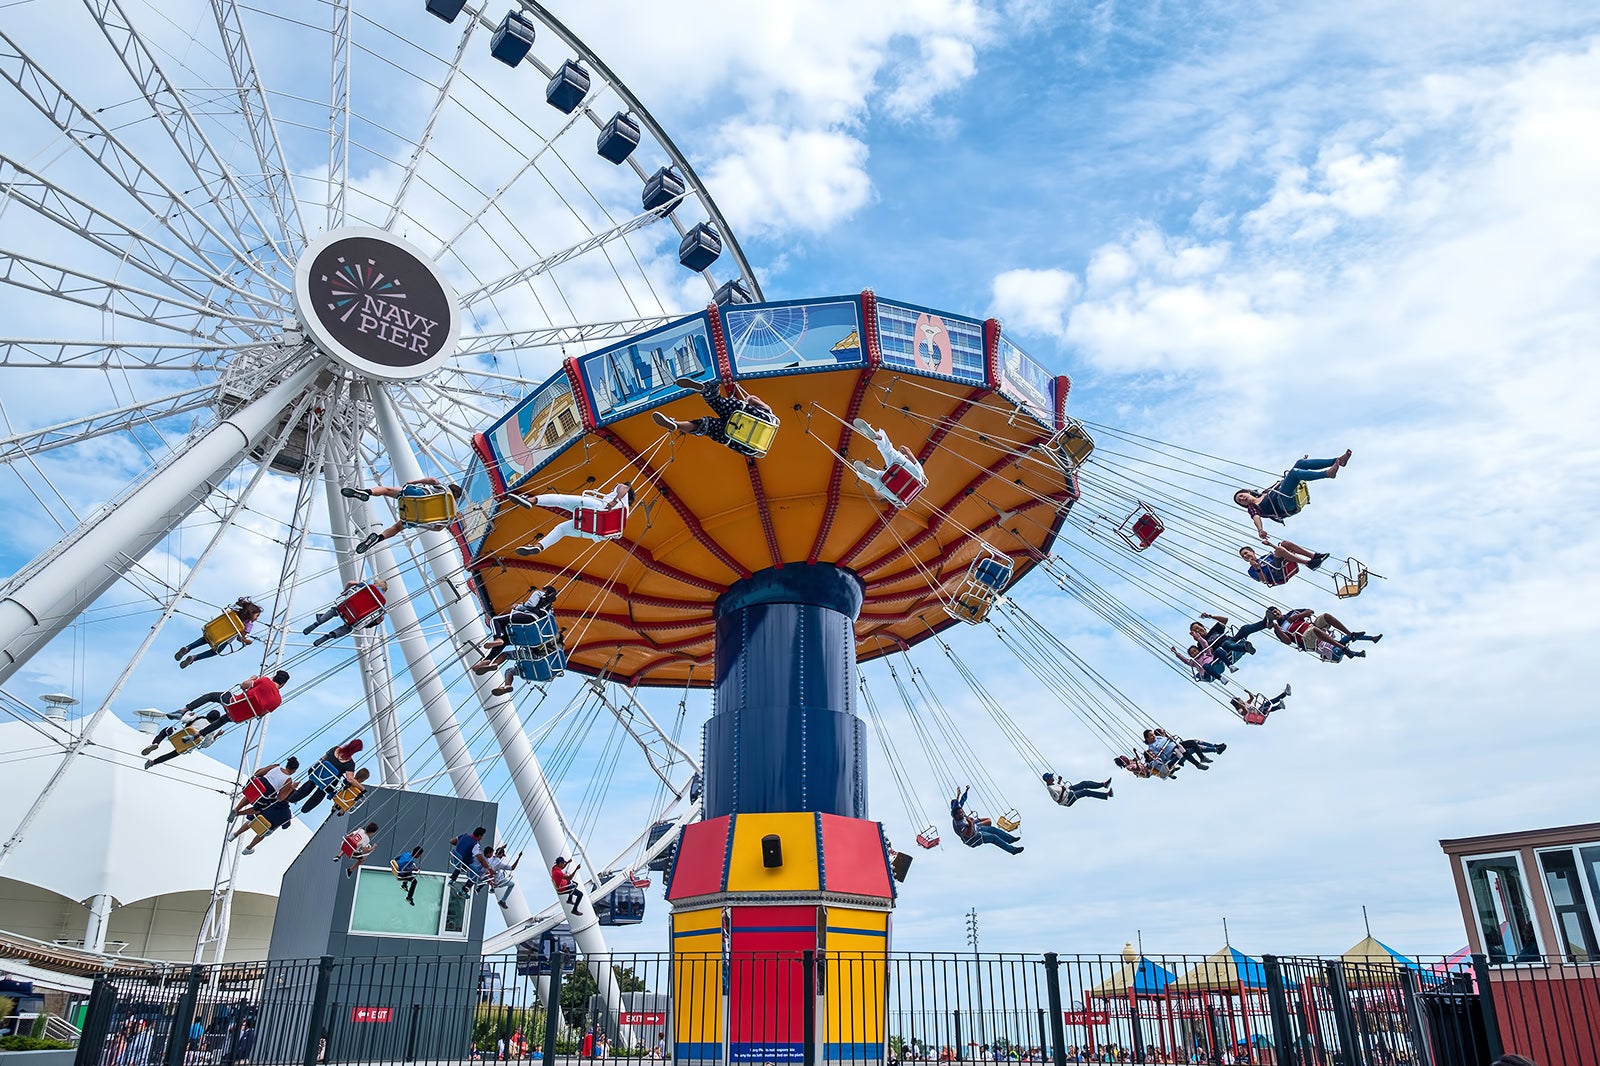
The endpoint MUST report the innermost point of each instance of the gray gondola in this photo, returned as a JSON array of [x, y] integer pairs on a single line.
[[512, 40], [663, 862], [700, 247], [731, 292], [446, 9], [662, 190], [533, 957], [624, 906], [619, 138], [567, 87]]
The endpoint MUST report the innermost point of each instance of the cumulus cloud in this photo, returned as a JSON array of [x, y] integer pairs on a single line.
[[771, 179], [1035, 301]]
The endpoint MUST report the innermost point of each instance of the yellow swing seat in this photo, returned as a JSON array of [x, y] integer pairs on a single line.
[[261, 824], [970, 607], [1353, 580], [423, 505], [347, 799], [751, 432], [1009, 821], [1071, 446], [184, 739], [221, 629]]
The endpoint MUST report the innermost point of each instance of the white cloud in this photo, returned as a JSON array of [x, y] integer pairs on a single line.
[[1035, 301], [775, 180]]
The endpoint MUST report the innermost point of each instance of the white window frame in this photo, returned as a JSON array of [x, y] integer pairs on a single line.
[[444, 909], [1583, 883], [1533, 913]]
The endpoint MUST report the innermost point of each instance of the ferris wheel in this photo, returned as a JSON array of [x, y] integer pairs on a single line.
[[260, 254]]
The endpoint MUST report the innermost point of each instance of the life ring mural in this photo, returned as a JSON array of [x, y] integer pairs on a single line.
[[930, 345]]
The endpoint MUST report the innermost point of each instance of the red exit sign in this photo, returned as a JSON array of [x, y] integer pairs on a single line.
[[1087, 1017], [643, 1017], [371, 1014]]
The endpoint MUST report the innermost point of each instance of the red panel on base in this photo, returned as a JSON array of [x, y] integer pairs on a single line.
[[766, 978], [700, 868], [853, 857]]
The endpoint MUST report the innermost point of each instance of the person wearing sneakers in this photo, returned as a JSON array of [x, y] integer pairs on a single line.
[[525, 613], [256, 697], [1301, 629], [714, 425], [893, 457], [503, 884], [1067, 795], [975, 831], [377, 589], [1281, 563], [1162, 747], [246, 611], [620, 497], [561, 876], [336, 767], [1230, 649], [266, 786], [277, 814], [1254, 707], [406, 866], [358, 844], [1202, 662], [1277, 501], [384, 490]]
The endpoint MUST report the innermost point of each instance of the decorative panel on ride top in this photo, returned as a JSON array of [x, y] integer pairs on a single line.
[[969, 404]]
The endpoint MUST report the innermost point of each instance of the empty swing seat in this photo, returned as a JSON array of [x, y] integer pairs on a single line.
[[700, 247], [751, 432], [446, 9], [567, 87], [991, 572], [618, 139], [536, 634], [512, 40], [970, 607], [426, 505], [222, 629], [1010, 820], [362, 604], [904, 482], [599, 522], [1140, 529], [184, 739], [662, 190], [348, 799], [1351, 582], [1072, 446], [539, 664], [928, 837]]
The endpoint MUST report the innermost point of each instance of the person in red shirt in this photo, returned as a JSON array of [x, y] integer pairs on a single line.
[[257, 697], [561, 876]]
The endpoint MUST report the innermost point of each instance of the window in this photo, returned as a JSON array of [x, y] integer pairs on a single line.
[[568, 421], [1500, 902], [380, 907], [551, 433]]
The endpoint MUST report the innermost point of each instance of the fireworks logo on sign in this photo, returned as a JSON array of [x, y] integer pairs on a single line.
[[361, 290]]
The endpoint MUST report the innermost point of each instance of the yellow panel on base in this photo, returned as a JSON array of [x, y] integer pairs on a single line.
[[697, 977], [797, 833], [857, 953]]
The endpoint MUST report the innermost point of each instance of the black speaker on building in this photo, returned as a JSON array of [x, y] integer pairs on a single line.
[[771, 851], [902, 865]]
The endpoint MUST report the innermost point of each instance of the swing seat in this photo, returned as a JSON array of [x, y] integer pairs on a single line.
[[254, 789], [1140, 529], [929, 837], [184, 739], [347, 847], [1071, 446], [1254, 717], [262, 824], [990, 572], [971, 607], [1351, 582], [535, 634], [361, 605], [1302, 497], [750, 432], [536, 664], [347, 799], [1010, 820], [221, 629], [597, 521], [326, 777], [240, 708], [637, 881], [426, 505], [903, 482]]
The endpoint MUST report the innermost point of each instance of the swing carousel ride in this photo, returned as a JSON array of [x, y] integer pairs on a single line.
[[286, 257]]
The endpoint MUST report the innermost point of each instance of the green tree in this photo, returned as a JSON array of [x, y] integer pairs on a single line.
[[579, 985]]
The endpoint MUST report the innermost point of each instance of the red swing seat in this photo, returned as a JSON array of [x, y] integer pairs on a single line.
[[1141, 528], [1254, 717], [361, 604], [599, 522], [903, 482], [928, 837], [257, 701]]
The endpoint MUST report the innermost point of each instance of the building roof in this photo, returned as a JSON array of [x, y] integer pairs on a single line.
[[1582, 833], [114, 828]]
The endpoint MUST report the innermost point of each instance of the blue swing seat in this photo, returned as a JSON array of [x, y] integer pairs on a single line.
[[536, 664], [991, 572], [326, 776], [535, 634]]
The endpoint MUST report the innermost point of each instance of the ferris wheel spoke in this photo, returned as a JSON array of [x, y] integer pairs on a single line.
[[439, 414], [454, 397], [118, 238], [554, 336], [555, 259], [275, 173], [126, 418], [167, 104], [420, 151], [339, 116], [97, 143], [125, 301], [118, 356]]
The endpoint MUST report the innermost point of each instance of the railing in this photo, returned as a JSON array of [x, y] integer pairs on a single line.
[[867, 1009]]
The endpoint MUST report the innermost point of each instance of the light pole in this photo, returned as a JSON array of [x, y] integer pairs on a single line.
[[977, 969]]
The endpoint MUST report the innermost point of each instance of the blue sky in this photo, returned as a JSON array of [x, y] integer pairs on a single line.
[[1255, 231]]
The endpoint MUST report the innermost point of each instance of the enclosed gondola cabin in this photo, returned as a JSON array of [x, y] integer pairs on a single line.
[[661, 863], [534, 957], [567, 87], [446, 9], [512, 40], [625, 904], [662, 190], [618, 138], [700, 247]]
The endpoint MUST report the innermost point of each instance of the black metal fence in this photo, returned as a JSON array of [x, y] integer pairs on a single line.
[[834, 1008]]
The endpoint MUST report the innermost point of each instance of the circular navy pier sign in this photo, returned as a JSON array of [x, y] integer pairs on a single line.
[[376, 303]]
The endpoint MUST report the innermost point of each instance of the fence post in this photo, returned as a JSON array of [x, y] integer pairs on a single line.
[[178, 1037], [1491, 1021], [960, 1049], [96, 1021], [808, 1007], [1339, 992], [552, 1008], [319, 1008], [1058, 1029], [1282, 1031], [1410, 987]]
